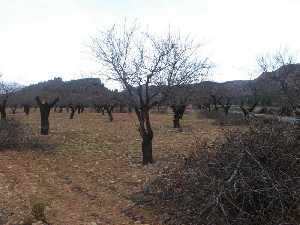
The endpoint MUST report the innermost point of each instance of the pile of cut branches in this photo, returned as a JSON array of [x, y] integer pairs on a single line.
[[252, 178]]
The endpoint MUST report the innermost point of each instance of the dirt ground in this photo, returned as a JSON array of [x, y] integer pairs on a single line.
[[94, 168]]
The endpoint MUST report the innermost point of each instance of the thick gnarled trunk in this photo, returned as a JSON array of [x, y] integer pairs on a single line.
[[176, 122], [146, 134], [147, 149], [44, 126], [26, 109], [45, 109], [72, 111], [3, 109]]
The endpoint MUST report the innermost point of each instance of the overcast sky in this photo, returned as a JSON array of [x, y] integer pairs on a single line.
[[42, 39]]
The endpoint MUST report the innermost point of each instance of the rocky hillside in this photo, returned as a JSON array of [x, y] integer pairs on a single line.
[[74, 91], [91, 90]]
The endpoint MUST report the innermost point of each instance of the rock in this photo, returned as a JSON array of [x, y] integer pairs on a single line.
[[164, 218], [38, 223], [92, 223]]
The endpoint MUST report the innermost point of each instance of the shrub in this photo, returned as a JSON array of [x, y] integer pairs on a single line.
[[15, 135], [250, 179]]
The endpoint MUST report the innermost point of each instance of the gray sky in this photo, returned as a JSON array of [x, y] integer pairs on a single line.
[[42, 39]]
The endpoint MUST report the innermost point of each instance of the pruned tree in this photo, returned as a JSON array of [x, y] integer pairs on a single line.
[[142, 64], [215, 101], [26, 109], [246, 110], [178, 111], [226, 105], [79, 108], [73, 109], [109, 109], [45, 109]]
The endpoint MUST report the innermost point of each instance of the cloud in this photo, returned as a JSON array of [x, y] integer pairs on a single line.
[[40, 39]]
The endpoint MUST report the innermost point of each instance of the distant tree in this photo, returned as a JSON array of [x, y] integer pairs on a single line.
[[247, 109], [14, 108], [26, 109], [142, 64], [61, 108], [178, 100], [215, 101], [6, 90], [253, 100], [226, 105], [73, 109], [206, 105], [3, 108], [45, 109], [109, 108]]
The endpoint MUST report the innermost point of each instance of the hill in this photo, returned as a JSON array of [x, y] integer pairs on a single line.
[[91, 90], [75, 91]]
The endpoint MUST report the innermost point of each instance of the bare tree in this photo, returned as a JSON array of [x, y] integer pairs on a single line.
[[215, 101], [14, 108], [45, 108], [226, 105], [252, 101], [6, 90], [179, 98], [73, 109], [26, 109], [142, 64], [3, 108]]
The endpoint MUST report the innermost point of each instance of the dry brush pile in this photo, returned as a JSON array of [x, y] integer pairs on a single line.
[[253, 178]]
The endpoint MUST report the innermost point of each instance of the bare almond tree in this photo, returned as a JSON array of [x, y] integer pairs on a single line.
[[6, 90], [142, 63]]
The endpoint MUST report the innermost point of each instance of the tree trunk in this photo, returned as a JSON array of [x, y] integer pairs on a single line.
[[121, 108], [147, 149], [109, 109], [226, 111], [176, 122], [44, 126], [110, 116], [13, 110], [146, 133], [3, 114], [178, 111], [26, 109], [129, 109], [72, 112], [3, 109], [45, 109]]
